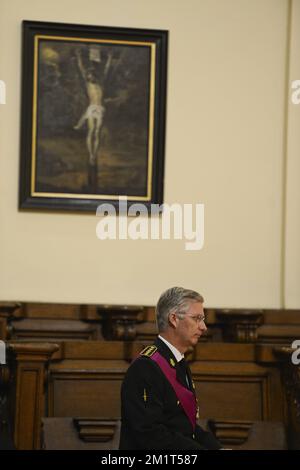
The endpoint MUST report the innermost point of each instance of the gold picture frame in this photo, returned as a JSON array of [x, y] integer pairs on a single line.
[[93, 116]]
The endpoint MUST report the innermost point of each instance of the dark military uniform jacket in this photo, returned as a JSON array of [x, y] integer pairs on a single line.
[[152, 416]]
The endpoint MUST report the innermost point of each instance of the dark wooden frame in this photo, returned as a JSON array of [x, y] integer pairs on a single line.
[[29, 197]]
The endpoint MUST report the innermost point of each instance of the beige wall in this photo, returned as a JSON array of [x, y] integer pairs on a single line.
[[292, 217], [226, 148]]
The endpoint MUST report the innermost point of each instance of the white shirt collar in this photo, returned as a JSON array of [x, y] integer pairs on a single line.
[[177, 354]]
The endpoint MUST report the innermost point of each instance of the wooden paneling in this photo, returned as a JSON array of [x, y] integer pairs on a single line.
[[291, 381], [62, 330], [29, 387], [47, 321], [97, 434], [81, 434], [217, 395], [86, 379], [27, 363], [238, 390], [85, 394], [51, 311], [129, 322], [233, 382]]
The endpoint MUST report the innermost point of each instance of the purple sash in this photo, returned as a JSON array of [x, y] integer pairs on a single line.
[[185, 396]]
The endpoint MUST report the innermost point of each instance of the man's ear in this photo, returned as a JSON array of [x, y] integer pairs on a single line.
[[173, 320]]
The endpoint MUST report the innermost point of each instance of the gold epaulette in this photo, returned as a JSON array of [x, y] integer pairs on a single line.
[[148, 351]]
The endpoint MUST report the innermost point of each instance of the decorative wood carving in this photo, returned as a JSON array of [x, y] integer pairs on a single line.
[[8, 312], [240, 325], [119, 323], [230, 432], [95, 429], [49, 321], [96, 433]]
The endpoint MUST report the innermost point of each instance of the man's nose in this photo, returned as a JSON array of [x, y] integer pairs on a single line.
[[202, 326]]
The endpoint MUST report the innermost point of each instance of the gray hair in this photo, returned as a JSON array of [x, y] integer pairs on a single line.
[[177, 300]]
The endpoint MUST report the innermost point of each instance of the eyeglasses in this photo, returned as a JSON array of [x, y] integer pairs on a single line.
[[196, 318]]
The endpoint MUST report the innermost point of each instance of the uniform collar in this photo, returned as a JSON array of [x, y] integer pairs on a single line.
[[177, 354]]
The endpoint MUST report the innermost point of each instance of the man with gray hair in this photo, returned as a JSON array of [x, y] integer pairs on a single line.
[[158, 400]]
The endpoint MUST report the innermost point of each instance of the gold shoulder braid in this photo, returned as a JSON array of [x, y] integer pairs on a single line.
[[148, 351]]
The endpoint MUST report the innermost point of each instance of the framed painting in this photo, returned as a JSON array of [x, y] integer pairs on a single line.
[[93, 116]]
